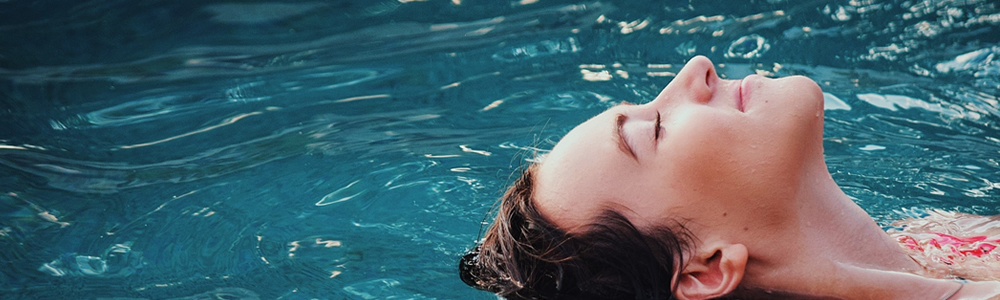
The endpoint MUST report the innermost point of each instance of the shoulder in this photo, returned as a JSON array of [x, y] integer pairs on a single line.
[[952, 244]]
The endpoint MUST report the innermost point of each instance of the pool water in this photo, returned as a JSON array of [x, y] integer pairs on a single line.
[[353, 149]]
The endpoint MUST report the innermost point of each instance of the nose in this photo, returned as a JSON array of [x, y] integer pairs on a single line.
[[695, 81]]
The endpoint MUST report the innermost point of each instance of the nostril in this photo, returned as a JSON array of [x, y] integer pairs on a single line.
[[710, 77]]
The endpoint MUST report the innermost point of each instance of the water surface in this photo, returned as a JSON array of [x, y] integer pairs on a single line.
[[352, 149]]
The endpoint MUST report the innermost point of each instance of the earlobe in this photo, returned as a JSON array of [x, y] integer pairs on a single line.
[[712, 274]]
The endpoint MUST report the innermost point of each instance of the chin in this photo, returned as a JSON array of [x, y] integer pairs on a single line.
[[793, 113], [810, 91], [808, 121]]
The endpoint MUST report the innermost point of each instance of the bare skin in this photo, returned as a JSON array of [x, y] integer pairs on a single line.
[[740, 163]]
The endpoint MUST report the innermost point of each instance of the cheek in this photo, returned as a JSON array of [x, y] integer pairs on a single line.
[[731, 159]]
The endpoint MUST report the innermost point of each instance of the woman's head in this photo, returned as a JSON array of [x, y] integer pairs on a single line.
[[724, 157], [524, 256]]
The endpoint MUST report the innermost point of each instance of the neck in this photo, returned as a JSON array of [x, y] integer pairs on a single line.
[[831, 248], [863, 283]]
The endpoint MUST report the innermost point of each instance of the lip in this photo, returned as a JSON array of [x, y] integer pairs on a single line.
[[741, 103]]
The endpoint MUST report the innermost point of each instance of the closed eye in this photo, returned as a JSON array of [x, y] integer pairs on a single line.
[[620, 138], [657, 128]]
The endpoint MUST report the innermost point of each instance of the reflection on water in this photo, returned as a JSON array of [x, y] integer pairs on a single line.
[[169, 150]]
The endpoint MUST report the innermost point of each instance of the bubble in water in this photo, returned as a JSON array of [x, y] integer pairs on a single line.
[[747, 47]]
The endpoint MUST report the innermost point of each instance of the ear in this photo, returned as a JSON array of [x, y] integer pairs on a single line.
[[712, 273]]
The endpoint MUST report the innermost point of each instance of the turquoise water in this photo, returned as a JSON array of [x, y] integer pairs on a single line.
[[351, 149]]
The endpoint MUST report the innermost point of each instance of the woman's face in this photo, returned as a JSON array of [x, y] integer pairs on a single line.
[[708, 151]]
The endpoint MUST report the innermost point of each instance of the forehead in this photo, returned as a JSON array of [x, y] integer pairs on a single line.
[[583, 174], [596, 130]]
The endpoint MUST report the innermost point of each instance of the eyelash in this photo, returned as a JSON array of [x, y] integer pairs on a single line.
[[656, 131]]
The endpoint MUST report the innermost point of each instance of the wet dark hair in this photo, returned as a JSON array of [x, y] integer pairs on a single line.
[[524, 256]]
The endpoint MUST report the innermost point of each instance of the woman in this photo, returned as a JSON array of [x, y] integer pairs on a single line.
[[715, 189]]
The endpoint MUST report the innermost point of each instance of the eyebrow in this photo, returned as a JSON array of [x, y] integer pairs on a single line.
[[619, 137]]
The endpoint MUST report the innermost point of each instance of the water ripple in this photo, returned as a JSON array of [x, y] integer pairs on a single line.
[[718, 25], [382, 41], [165, 105]]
